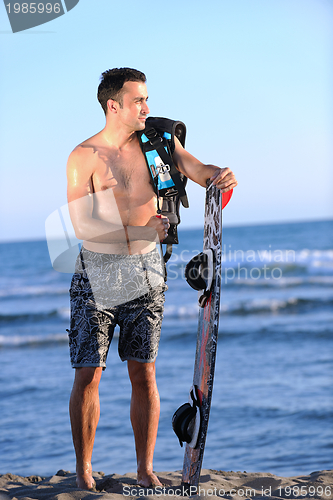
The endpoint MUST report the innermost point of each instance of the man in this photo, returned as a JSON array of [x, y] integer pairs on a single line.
[[113, 210]]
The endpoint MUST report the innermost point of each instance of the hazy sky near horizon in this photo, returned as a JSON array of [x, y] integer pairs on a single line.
[[251, 79]]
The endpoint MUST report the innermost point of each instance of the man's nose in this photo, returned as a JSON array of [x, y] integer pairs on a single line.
[[145, 109]]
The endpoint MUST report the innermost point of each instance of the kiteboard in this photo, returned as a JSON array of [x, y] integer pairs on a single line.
[[203, 273]]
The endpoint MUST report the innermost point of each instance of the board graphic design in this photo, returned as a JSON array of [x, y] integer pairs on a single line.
[[207, 332]]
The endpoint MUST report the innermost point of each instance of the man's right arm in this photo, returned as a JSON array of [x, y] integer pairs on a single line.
[[80, 202]]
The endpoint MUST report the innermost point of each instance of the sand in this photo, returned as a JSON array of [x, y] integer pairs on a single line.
[[213, 484]]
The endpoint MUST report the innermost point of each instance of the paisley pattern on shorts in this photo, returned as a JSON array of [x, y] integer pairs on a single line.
[[136, 305], [116, 279]]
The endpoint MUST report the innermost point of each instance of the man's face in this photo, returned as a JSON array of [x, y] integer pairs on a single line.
[[134, 110]]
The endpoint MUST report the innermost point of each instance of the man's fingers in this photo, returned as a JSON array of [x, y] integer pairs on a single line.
[[166, 226], [215, 175], [221, 183], [225, 180], [220, 174], [161, 225], [227, 186], [226, 183], [228, 189], [165, 221]]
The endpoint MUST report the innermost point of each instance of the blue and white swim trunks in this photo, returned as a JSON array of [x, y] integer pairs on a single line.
[[111, 289]]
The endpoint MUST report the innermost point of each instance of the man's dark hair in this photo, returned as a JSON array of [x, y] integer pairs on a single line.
[[112, 82]]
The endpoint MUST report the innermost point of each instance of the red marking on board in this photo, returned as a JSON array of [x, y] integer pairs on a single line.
[[226, 198], [206, 314], [204, 340], [203, 347], [200, 395]]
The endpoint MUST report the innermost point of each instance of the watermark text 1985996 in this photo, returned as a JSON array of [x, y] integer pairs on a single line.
[[33, 8], [26, 15]]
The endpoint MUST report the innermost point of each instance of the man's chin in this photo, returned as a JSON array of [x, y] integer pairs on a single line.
[[141, 125]]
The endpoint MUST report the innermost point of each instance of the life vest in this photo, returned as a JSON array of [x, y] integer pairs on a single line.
[[157, 142]]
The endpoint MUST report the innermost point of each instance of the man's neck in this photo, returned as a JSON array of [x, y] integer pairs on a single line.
[[117, 137]]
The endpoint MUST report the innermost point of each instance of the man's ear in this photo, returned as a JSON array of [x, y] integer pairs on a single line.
[[112, 106]]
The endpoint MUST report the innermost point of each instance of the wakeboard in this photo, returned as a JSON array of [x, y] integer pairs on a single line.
[[203, 273]]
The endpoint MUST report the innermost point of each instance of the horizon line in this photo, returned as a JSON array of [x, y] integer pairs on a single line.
[[192, 228]]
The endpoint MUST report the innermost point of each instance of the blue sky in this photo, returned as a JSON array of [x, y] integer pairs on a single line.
[[251, 79]]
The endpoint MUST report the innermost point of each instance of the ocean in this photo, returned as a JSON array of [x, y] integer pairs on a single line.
[[272, 404]]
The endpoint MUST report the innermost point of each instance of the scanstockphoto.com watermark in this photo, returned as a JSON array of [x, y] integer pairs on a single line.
[[265, 264], [187, 491], [294, 491], [25, 15]]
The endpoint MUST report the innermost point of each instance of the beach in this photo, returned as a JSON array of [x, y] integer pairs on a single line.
[[213, 483]]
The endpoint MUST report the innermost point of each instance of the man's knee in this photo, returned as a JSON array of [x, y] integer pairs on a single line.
[[141, 373], [87, 376]]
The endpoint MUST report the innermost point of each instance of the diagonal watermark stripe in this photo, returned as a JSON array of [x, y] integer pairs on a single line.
[[25, 15], [70, 4]]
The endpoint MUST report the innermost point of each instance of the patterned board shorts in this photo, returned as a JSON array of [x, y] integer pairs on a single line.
[[107, 290]]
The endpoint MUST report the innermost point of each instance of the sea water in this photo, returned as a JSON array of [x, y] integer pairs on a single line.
[[272, 402]]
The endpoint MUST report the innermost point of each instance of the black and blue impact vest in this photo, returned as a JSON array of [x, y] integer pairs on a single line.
[[157, 142]]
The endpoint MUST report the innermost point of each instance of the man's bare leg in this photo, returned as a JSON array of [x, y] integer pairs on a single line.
[[145, 412], [84, 413]]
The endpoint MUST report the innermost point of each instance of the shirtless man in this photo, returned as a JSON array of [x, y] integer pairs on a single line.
[[113, 210]]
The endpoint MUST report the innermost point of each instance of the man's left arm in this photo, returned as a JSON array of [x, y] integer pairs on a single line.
[[198, 172]]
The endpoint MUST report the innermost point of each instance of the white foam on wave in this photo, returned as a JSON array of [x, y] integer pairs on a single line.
[[246, 306], [189, 310], [316, 259], [272, 305], [63, 312], [22, 340], [281, 282], [25, 291]]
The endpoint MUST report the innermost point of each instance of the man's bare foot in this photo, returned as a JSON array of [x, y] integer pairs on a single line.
[[84, 479], [86, 482], [149, 480]]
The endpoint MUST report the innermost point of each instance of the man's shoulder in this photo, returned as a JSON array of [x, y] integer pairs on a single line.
[[85, 149], [82, 160]]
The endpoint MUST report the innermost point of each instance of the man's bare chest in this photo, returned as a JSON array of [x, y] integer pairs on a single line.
[[125, 173]]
